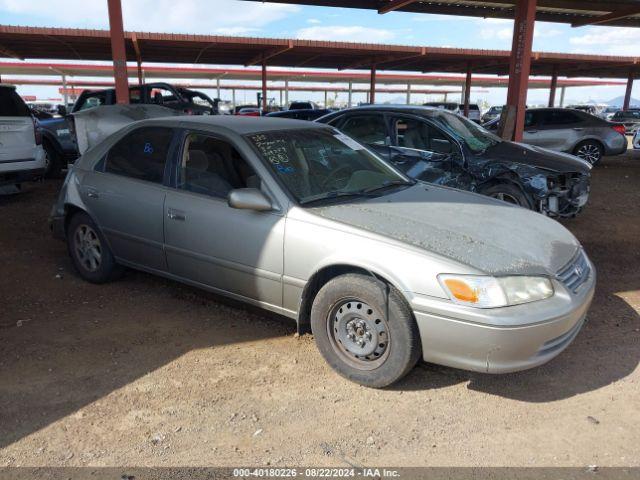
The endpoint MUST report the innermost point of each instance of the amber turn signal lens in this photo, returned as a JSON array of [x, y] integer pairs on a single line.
[[461, 290]]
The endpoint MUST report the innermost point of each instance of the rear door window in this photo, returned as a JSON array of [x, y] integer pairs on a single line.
[[368, 129], [554, 118], [141, 154], [11, 104]]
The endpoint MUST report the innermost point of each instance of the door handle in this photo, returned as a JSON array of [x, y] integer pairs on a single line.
[[92, 192], [578, 129], [531, 131], [176, 215]]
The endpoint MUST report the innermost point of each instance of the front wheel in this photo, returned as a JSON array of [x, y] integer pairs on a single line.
[[589, 150], [365, 330], [89, 251], [508, 192]]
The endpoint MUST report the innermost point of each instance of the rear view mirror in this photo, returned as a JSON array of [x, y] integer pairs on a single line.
[[249, 199]]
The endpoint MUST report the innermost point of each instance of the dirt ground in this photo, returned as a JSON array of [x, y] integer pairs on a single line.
[[148, 372]]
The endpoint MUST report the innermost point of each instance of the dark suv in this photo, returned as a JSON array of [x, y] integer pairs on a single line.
[[440, 147], [59, 141]]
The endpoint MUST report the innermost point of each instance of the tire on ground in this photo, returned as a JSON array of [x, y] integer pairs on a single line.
[[404, 347], [592, 146], [54, 163], [108, 269], [508, 189]]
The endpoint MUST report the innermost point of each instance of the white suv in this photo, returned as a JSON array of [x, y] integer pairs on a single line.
[[21, 155]]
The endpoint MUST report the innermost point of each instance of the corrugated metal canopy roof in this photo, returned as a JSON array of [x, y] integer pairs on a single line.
[[610, 12], [246, 74], [80, 44]]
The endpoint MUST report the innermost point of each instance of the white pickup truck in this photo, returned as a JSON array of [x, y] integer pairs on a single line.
[[22, 158]]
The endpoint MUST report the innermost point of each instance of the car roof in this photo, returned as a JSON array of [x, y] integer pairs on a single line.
[[238, 124], [414, 109], [6, 85]]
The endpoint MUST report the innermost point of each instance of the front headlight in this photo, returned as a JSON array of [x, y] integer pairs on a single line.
[[492, 292]]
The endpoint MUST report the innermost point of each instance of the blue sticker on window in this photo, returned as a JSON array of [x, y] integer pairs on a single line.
[[285, 169], [148, 148]]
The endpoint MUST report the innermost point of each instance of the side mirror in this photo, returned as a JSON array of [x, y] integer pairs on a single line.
[[62, 110], [249, 199]]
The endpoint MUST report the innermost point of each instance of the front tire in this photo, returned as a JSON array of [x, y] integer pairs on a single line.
[[589, 150], [365, 330], [508, 192], [89, 251]]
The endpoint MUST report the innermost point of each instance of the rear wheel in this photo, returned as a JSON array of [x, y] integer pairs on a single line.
[[589, 150], [508, 192], [89, 251], [365, 330], [52, 161]]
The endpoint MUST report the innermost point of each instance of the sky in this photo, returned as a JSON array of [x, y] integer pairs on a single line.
[[235, 17]]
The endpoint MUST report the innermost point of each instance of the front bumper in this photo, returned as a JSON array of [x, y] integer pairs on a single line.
[[502, 340]]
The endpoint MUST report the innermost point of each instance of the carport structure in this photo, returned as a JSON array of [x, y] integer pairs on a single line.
[[120, 46], [521, 59], [66, 72]]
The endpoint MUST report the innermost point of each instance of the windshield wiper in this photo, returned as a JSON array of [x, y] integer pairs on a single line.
[[393, 183], [332, 195]]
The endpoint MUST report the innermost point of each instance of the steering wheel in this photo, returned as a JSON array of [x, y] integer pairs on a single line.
[[333, 175]]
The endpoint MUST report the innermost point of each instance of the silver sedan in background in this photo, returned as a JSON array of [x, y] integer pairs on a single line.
[[302, 220], [572, 131]]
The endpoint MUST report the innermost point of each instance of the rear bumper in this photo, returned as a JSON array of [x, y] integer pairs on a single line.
[[487, 348], [617, 146], [13, 178]]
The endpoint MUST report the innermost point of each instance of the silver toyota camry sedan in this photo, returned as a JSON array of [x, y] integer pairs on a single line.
[[301, 220]]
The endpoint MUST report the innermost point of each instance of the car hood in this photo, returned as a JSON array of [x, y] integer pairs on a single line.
[[537, 157], [486, 234]]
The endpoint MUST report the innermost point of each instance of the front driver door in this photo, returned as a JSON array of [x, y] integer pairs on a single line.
[[206, 241], [421, 150]]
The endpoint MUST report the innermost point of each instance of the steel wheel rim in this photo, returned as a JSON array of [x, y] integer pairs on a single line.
[[87, 248], [358, 333], [506, 197], [589, 152]]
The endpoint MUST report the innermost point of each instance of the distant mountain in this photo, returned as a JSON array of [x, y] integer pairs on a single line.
[[618, 101]]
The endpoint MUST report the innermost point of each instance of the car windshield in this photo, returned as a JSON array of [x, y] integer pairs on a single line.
[[320, 164], [473, 135]]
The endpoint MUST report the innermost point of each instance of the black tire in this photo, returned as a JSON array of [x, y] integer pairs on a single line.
[[591, 151], [99, 270], [387, 321], [53, 161], [508, 192]]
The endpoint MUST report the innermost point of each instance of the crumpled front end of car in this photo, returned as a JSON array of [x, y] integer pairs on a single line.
[[567, 194]]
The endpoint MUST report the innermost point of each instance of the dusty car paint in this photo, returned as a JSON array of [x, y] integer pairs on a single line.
[[271, 259]]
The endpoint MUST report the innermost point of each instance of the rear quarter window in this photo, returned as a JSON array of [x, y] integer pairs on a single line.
[[12, 105]]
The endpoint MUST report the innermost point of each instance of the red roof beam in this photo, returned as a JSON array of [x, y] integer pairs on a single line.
[[392, 5], [264, 56], [609, 17]]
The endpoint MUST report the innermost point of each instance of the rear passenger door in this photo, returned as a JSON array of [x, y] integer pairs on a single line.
[[369, 129], [560, 129], [125, 194], [208, 242]]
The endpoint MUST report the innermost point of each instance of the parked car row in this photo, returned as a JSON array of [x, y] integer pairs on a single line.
[[58, 137], [299, 218]]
